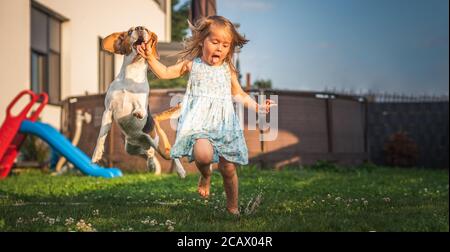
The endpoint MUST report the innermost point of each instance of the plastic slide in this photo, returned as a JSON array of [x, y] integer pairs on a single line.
[[15, 128], [63, 146]]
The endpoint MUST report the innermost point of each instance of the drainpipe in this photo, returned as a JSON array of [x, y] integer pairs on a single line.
[[168, 21]]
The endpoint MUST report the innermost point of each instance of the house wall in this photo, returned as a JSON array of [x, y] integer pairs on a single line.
[[14, 50], [88, 20]]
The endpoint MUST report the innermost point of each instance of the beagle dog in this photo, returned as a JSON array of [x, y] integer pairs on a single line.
[[126, 102]]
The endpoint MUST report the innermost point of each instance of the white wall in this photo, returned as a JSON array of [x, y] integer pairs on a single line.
[[88, 20], [14, 51]]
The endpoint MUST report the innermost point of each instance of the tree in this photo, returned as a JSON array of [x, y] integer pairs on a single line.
[[263, 83], [179, 31], [180, 82], [179, 20]]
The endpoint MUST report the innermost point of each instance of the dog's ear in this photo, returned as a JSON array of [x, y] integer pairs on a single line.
[[117, 42], [153, 42]]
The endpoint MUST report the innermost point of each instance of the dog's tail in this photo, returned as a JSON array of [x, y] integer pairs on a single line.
[[172, 112]]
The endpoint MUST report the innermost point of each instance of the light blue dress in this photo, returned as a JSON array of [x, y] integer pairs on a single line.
[[207, 111]]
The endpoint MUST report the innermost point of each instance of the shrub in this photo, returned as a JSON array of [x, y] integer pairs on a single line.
[[263, 83], [34, 149], [325, 165], [401, 150]]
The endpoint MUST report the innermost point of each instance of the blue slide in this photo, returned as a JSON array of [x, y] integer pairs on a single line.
[[60, 143]]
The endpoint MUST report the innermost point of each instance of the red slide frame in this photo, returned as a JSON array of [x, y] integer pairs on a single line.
[[10, 138]]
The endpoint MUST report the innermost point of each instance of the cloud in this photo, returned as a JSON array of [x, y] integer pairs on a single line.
[[250, 5]]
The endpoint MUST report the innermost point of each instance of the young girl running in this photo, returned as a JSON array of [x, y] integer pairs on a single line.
[[208, 128]]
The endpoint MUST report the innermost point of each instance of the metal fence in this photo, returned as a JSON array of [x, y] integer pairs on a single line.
[[391, 97], [426, 123], [345, 128]]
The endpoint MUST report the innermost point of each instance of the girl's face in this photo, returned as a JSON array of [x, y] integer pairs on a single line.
[[216, 46]]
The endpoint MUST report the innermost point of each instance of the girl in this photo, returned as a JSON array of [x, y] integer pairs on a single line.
[[208, 128]]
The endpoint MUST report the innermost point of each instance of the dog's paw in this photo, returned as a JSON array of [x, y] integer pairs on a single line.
[[139, 114], [153, 165], [98, 153]]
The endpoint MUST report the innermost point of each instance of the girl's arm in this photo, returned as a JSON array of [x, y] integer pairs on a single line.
[[242, 97], [160, 70]]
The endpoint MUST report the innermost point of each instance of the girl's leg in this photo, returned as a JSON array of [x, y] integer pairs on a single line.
[[203, 156], [230, 183]]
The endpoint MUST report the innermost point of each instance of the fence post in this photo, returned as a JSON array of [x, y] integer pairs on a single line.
[[329, 116], [261, 132], [366, 128]]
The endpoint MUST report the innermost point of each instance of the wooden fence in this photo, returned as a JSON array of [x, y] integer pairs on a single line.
[[311, 127]]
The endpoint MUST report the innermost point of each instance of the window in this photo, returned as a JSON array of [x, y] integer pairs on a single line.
[[46, 52], [105, 68]]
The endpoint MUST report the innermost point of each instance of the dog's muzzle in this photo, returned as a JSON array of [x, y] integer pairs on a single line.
[[139, 41]]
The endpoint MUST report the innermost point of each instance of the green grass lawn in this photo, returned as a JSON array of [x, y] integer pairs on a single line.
[[308, 199]]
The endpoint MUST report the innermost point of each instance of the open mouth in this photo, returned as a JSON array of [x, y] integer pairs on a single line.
[[215, 59], [139, 41]]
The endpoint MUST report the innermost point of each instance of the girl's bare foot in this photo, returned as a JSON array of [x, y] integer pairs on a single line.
[[203, 186], [233, 211]]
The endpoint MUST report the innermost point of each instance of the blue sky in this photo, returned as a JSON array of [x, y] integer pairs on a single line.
[[381, 45]]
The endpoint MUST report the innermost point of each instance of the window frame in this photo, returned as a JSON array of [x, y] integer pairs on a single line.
[[50, 16], [101, 67]]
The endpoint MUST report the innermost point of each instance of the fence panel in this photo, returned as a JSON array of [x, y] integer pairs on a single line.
[[426, 123], [304, 132]]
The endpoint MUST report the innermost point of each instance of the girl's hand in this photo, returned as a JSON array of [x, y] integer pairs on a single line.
[[266, 107], [143, 50]]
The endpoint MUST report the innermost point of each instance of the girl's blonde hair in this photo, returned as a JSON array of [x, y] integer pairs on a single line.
[[201, 30]]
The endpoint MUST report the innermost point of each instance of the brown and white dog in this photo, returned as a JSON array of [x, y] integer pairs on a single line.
[[126, 102]]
